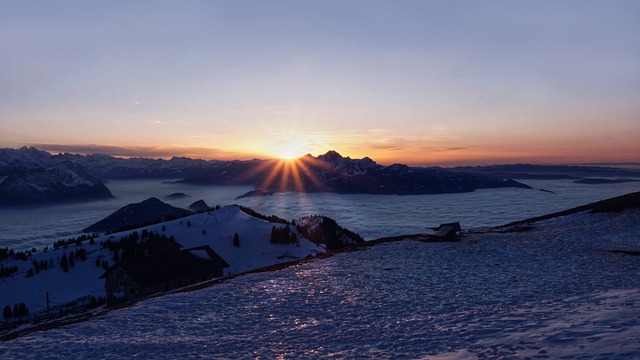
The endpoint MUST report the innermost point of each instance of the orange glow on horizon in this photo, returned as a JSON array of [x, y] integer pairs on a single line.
[[474, 154]]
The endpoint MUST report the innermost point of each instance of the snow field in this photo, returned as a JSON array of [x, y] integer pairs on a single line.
[[552, 292]]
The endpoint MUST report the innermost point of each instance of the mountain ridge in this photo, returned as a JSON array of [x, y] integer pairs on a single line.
[[40, 184], [329, 172]]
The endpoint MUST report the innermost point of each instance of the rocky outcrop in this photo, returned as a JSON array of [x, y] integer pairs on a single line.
[[323, 230]]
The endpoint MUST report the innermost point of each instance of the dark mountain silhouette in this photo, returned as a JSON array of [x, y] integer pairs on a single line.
[[255, 193], [329, 172], [332, 172], [139, 214], [199, 205]]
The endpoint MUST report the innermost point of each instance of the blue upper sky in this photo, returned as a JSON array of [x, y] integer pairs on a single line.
[[420, 82]]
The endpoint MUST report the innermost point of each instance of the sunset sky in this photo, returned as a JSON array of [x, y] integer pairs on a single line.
[[416, 82]]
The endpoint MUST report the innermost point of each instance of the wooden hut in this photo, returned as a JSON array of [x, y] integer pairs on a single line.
[[134, 278]]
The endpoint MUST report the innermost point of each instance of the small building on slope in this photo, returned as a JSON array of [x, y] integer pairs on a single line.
[[158, 245], [445, 232], [134, 278]]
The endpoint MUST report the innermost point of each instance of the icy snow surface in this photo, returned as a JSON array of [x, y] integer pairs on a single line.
[[552, 292]]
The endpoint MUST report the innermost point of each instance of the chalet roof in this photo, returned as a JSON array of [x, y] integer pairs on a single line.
[[455, 225], [160, 269], [159, 243], [210, 253]]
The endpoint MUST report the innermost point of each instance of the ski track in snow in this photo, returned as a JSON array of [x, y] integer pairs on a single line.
[[553, 292]]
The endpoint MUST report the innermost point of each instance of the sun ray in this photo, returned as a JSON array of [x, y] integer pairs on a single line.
[[295, 175], [256, 172], [273, 174], [288, 172], [285, 167], [304, 169]]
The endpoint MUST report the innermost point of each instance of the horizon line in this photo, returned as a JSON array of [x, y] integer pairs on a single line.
[[212, 154]]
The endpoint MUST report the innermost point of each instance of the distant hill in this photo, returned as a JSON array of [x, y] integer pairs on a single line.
[[150, 211], [529, 171], [199, 205], [596, 181]]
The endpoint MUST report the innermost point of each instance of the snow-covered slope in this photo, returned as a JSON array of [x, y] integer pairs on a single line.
[[214, 228], [554, 291], [217, 229]]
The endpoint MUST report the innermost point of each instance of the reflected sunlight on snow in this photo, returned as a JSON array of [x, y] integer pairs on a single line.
[[551, 292]]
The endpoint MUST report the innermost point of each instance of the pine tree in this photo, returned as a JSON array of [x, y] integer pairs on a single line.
[[64, 262], [72, 259], [24, 311], [81, 254], [7, 313], [236, 240]]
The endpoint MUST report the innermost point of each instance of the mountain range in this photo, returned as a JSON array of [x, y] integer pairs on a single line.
[[29, 175], [334, 173], [32, 176]]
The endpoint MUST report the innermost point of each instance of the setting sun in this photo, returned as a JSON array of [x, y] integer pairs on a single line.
[[287, 153], [292, 145]]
